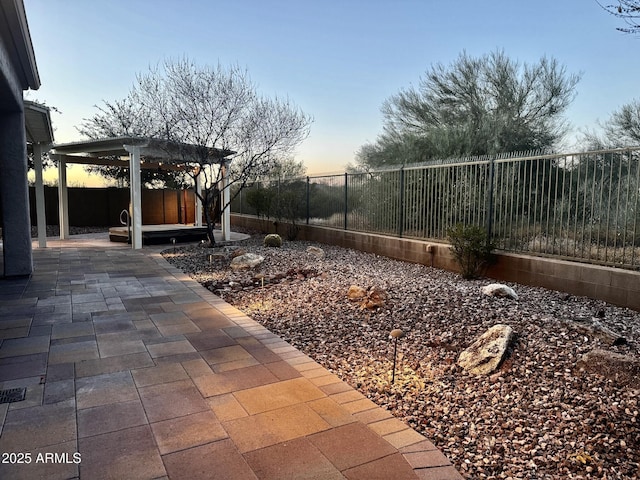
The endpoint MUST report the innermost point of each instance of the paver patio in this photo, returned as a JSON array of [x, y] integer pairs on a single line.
[[144, 374]]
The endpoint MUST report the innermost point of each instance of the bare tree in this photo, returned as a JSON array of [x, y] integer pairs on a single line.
[[627, 10], [201, 108], [128, 118]]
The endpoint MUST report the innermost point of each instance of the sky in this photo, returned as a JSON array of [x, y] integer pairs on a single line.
[[338, 60]]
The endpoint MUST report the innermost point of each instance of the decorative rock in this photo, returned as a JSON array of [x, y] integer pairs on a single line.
[[622, 369], [246, 261], [316, 252], [356, 293], [376, 298], [238, 252], [273, 240], [487, 352], [499, 290], [537, 407]]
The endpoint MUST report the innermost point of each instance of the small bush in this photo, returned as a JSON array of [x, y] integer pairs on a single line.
[[273, 240], [471, 248]]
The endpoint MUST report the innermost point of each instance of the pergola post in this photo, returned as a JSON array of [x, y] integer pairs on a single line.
[[41, 215], [135, 192], [63, 198], [198, 191], [226, 200]]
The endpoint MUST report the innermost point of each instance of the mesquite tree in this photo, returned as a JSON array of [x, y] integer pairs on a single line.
[[204, 108], [475, 106]]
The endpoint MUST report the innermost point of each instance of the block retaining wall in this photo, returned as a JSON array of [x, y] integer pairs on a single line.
[[613, 285]]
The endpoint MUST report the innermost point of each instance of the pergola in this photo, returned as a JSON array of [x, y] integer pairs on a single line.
[[39, 133], [138, 153]]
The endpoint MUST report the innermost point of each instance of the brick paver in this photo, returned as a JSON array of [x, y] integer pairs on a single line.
[[135, 371]]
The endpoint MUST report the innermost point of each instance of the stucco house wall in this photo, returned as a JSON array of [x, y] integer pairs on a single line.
[[18, 72]]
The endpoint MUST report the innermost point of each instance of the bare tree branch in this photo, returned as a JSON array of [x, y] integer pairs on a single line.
[[210, 108], [627, 10]]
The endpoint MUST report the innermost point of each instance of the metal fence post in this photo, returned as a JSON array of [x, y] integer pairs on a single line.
[[308, 200], [346, 178], [401, 203], [492, 164]]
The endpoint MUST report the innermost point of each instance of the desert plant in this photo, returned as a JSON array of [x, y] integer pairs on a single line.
[[471, 247], [273, 240]]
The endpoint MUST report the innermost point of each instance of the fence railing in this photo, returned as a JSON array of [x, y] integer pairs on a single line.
[[581, 206]]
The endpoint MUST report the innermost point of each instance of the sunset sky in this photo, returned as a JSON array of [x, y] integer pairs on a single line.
[[337, 60]]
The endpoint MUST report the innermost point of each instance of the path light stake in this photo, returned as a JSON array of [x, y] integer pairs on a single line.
[[395, 334], [173, 240]]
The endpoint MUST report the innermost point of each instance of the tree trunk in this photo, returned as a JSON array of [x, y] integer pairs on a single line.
[[210, 223]]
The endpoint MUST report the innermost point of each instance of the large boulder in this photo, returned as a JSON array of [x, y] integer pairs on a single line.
[[246, 261], [487, 352], [499, 290], [273, 240]]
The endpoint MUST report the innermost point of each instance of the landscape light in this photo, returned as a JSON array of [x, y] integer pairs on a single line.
[[396, 333]]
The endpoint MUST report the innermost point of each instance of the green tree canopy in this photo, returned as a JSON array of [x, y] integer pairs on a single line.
[[474, 106], [621, 129]]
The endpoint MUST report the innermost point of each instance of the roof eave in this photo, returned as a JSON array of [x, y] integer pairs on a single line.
[[24, 55]]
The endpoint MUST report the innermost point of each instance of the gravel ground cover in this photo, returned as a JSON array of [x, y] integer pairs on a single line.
[[538, 416]]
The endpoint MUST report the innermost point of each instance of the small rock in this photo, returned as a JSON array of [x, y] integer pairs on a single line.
[[622, 369], [356, 293], [316, 252], [499, 290], [376, 298], [487, 352], [238, 252], [370, 299], [246, 261]]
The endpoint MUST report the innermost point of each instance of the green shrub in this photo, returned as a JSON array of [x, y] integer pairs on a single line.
[[261, 200], [471, 248], [273, 240]]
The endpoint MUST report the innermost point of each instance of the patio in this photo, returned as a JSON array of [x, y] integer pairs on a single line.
[[146, 374]]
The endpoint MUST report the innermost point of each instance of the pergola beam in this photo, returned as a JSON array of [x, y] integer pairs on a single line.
[[144, 165]]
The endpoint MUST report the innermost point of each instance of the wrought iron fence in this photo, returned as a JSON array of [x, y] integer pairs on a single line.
[[580, 206]]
